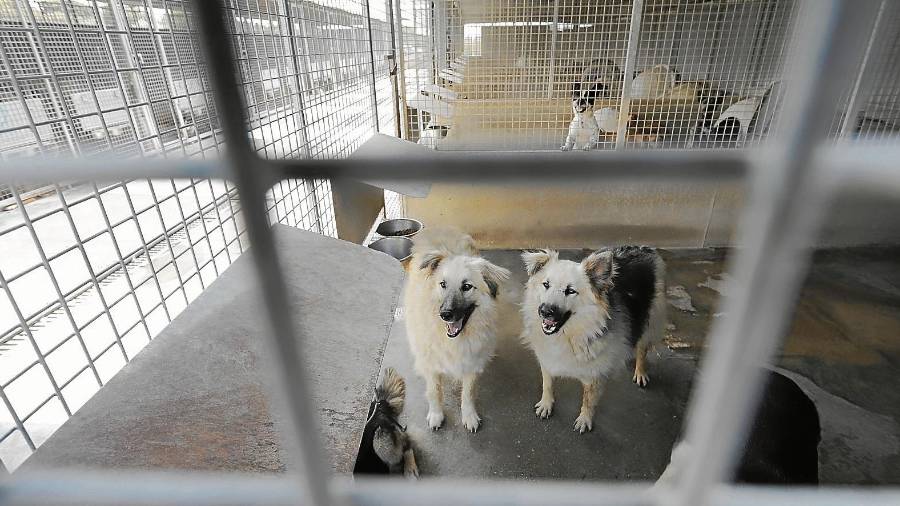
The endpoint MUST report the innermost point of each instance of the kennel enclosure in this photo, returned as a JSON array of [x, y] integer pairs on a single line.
[[127, 78]]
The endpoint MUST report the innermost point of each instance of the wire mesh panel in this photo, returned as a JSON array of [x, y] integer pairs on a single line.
[[782, 218], [706, 73], [384, 64], [505, 72], [874, 100], [90, 273]]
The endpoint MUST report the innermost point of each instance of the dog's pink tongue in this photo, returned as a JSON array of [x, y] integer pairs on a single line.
[[453, 327], [548, 322]]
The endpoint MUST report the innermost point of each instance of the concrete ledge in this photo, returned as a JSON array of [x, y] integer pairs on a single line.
[[195, 398]]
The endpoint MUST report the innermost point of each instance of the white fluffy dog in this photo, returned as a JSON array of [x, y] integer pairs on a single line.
[[599, 79], [451, 317], [583, 319]]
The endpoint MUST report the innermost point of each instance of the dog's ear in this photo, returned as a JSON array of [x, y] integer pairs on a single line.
[[600, 269], [576, 89], [536, 260], [467, 244], [431, 260], [493, 276]]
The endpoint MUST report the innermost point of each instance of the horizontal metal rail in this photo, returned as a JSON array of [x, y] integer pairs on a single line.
[[200, 489], [713, 165]]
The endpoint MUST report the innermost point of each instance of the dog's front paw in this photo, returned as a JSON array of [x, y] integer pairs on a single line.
[[544, 408], [641, 379], [435, 419], [586, 147], [470, 419], [583, 424], [565, 147]]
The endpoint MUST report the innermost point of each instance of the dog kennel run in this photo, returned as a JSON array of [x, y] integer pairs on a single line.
[[94, 271]]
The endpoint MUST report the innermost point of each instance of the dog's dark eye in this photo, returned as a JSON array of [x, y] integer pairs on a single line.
[[443, 285], [570, 291], [547, 285], [466, 287]]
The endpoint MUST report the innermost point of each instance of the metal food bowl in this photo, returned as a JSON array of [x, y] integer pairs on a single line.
[[402, 227], [397, 247]]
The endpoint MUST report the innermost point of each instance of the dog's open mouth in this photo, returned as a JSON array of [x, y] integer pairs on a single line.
[[553, 324], [455, 327]]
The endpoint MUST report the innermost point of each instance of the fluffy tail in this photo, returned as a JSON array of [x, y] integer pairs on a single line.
[[444, 239], [391, 389]]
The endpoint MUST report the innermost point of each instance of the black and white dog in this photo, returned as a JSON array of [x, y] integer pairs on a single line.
[[583, 319], [600, 79]]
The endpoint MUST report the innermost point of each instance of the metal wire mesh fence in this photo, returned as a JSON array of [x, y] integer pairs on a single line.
[[659, 73], [90, 273], [789, 193]]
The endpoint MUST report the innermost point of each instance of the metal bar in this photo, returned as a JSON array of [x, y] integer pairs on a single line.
[[107, 271], [631, 52], [200, 489], [4, 57], [393, 69], [554, 29], [65, 307], [100, 168], [372, 64], [493, 166], [146, 251], [116, 73], [168, 239], [17, 421], [295, 56], [443, 166], [122, 266], [22, 373], [401, 69], [290, 375], [34, 346], [52, 72], [87, 262], [860, 86], [39, 406], [786, 207]]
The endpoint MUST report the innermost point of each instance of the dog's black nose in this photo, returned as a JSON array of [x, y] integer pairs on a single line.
[[447, 315], [546, 311]]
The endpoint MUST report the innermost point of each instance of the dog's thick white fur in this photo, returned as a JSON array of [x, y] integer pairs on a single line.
[[451, 317], [599, 79], [579, 322], [584, 131]]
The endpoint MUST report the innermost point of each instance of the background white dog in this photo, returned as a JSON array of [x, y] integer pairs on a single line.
[[599, 79]]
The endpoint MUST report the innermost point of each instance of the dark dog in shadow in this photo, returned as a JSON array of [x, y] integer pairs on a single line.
[[386, 447], [783, 444]]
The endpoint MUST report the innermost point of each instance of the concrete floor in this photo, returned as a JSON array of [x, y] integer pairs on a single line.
[[843, 351]]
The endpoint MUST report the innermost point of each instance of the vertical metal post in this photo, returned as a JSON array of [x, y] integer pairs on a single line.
[[634, 36], [372, 63], [554, 29], [389, 7], [859, 84], [26, 329], [783, 215], [16, 420], [288, 370], [304, 136], [401, 67]]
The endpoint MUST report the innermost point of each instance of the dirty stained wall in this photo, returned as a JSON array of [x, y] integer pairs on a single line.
[[686, 215]]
